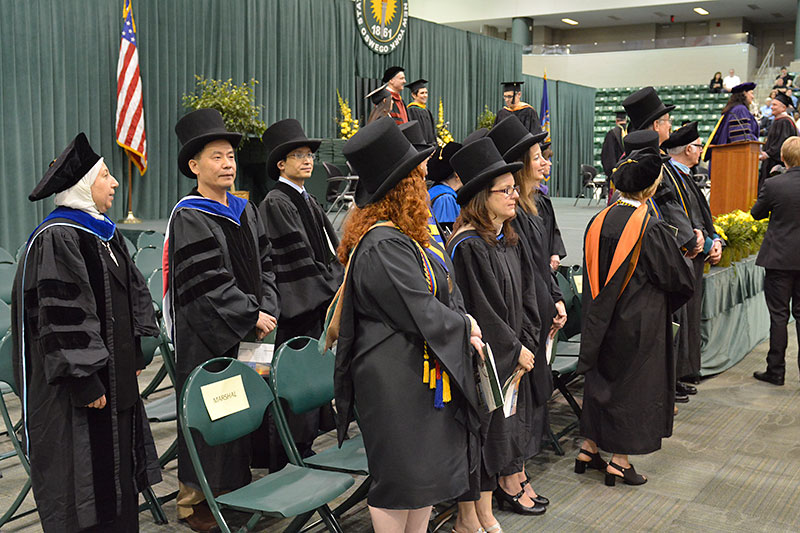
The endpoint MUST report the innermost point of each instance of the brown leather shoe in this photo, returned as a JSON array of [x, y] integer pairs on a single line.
[[202, 520]]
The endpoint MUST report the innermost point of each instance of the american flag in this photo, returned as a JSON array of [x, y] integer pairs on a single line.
[[130, 110]]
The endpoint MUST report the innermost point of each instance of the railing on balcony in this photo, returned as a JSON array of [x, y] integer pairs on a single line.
[[626, 45]]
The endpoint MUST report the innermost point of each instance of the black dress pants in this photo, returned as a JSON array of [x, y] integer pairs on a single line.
[[781, 287]]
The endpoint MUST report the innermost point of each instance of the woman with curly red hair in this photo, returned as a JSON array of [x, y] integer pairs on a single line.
[[404, 358], [495, 276]]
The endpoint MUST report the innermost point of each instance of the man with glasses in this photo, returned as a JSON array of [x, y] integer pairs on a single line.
[[303, 254], [684, 147], [512, 98], [648, 112]]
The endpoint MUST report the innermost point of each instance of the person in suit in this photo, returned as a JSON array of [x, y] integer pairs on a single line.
[[779, 199]]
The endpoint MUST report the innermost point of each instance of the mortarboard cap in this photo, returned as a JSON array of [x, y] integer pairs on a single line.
[[415, 86], [377, 96], [512, 85], [782, 98]]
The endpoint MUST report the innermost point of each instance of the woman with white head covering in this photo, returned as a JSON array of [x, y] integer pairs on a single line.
[[79, 309]]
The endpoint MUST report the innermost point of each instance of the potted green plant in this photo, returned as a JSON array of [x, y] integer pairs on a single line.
[[237, 104]]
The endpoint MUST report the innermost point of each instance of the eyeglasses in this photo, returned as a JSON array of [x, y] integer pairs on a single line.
[[310, 156], [700, 146], [669, 120], [508, 191]]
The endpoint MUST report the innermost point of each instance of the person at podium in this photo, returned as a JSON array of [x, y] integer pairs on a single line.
[[737, 123]]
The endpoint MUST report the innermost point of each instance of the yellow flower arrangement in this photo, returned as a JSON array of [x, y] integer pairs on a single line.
[[347, 125], [742, 234], [442, 133]]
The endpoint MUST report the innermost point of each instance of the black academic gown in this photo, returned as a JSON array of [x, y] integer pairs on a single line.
[[308, 275], [626, 340], [495, 282], [552, 234], [418, 455], [689, 357], [220, 277], [425, 118], [80, 329], [526, 114], [612, 150], [781, 129], [532, 235]]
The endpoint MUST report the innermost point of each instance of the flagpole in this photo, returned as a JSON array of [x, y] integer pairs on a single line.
[[131, 218]]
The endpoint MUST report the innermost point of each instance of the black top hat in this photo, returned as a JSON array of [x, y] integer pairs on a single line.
[[196, 130], [515, 86], [413, 132], [513, 139], [782, 98], [377, 96], [744, 87], [391, 72], [644, 106], [439, 167], [417, 85], [638, 170], [67, 169], [381, 156], [638, 140], [477, 164], [480, 133], [280, 139], [682, 136]]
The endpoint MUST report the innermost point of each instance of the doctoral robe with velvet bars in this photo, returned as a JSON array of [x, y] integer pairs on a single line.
[[220, 277], [626, 340], [63, 315]]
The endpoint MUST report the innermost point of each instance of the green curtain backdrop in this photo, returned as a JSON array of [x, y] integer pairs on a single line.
[[58, 77], [571, 129]]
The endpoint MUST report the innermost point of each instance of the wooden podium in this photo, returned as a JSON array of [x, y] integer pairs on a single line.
[[734, 176]]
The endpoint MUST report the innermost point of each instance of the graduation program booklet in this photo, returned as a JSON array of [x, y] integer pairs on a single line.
[[511, 393], [257, 354], [489, 391]]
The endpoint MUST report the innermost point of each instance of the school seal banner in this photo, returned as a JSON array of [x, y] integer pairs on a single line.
[[382, 23]]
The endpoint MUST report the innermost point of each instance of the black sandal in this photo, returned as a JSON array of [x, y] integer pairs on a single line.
[[629, 476], [596, 462]]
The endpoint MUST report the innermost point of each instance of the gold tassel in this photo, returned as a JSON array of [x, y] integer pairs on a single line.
[[425, 365], [445, 387], [433, 378]]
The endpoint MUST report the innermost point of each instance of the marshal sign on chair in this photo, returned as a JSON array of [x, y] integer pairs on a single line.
[[382, 23]]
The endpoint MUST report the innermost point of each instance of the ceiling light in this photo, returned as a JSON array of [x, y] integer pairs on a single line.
[[570, 22], [700, 11]]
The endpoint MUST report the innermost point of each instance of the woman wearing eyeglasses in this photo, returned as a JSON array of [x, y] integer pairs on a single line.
[[494, 274], [516, 143]]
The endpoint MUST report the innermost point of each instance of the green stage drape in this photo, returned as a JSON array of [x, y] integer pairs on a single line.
[[571, 129], [58, 77]]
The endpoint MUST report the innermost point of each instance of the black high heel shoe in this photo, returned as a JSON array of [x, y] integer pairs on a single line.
[[504, 498], [629, 476], [538, 498], [596, 462]]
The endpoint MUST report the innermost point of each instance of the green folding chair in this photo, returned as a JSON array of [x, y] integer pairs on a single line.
[[129, 246], [294, 491], [155, 284], [6, 257], [150, 239], [148, 260], [7, 378], [303, 378], [7, 273]]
